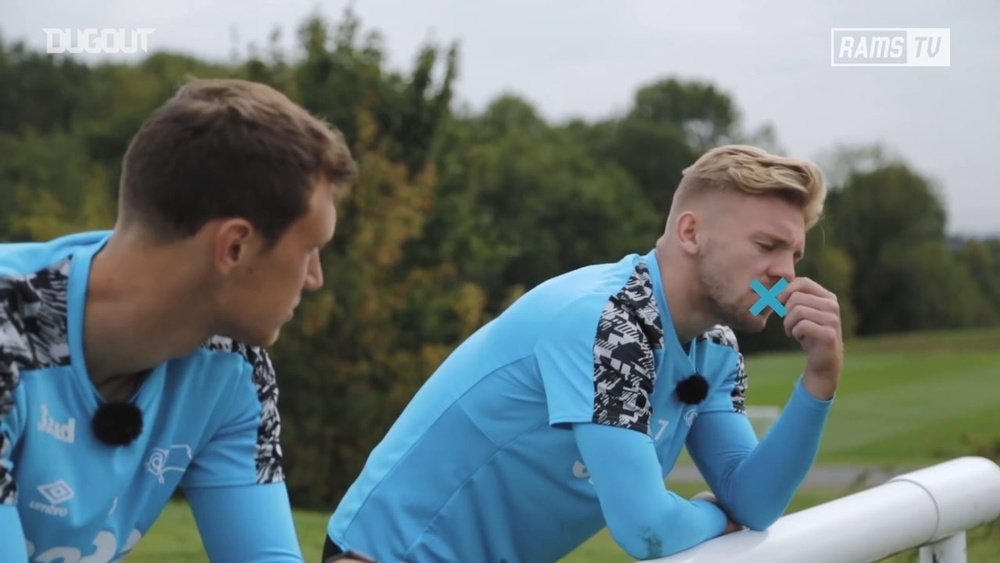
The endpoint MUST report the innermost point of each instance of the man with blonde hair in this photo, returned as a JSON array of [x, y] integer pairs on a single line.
[[566, 413], [132, 362]]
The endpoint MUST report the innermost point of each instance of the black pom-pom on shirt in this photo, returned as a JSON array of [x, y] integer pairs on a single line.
[[117, 424], [692, 390]]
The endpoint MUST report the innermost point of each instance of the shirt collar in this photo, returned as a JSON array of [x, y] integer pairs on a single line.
[[672, 347]]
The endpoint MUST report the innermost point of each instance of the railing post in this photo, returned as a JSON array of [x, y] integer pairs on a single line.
[[948, 550]]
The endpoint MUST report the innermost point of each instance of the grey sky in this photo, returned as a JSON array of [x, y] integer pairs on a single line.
[[587, 57]]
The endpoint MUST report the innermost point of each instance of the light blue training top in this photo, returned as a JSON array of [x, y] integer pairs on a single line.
[[210, 424], [561, 417]]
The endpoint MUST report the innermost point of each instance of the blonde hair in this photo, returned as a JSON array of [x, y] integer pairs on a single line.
[[754, 171]]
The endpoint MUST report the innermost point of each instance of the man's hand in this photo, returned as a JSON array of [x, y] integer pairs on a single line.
[[710, 497], [814, 320]]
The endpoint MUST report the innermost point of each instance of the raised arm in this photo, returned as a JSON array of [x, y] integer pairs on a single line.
[[755, 482]]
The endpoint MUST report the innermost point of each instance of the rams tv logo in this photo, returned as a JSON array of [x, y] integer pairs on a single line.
[[897, 46]]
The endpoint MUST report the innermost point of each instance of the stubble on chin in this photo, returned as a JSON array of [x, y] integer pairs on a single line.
[[725, 310], [751, 324], [736, 318]]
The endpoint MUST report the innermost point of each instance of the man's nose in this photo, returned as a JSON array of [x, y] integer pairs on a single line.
[[314, 276], [783, 269]]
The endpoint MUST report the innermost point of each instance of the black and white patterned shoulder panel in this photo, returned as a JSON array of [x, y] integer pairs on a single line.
[[723, 335], [32, 336], [268, 455], [629, 330]]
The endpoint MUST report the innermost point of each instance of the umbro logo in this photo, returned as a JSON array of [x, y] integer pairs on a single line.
[[55, 493]]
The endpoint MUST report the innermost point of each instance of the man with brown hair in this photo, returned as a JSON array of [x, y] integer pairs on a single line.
[[565, 414], [131, 362]]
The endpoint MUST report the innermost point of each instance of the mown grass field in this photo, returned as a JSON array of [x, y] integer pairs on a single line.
[[905, 401]]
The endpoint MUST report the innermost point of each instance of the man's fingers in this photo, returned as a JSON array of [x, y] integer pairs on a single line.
[[799, 313], [805, 285], [807, 300], [812, 301], [808, 330]]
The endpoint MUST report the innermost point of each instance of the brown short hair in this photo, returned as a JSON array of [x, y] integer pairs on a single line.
[[755, 171], [228, 148]]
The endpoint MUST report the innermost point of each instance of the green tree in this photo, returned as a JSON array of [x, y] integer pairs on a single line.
[[40, 92], [982, 258], [370, 338], [521, 202], [891, 222], [51, 186], [925, 287], [671, 123]]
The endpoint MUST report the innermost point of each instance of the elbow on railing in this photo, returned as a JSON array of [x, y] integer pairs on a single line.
[[645, 543], [647, 534]]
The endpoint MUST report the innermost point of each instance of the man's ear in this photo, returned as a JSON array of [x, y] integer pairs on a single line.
[[234, 240], [688, 231]]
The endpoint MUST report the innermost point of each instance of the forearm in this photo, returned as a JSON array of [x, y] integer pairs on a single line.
[[821, 387], [759, 488], [246, 524], [644, 517]]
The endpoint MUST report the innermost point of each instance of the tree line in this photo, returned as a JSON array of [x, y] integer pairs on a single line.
[[458, 212]]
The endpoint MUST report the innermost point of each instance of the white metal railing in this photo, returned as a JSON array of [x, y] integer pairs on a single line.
[[931, 507]]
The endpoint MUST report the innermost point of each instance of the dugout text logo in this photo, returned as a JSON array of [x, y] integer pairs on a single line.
[[93, 40], [891, 46]]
